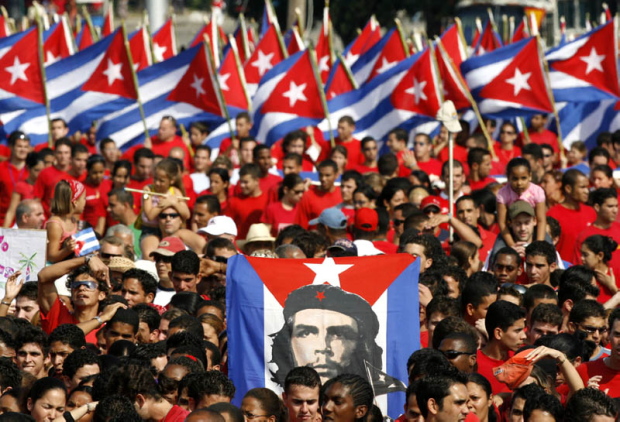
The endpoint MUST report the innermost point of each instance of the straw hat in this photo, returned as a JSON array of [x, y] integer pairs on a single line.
[[120, 264], [258, 233]]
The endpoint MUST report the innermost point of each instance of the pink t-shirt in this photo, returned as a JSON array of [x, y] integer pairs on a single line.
[[532, 195]]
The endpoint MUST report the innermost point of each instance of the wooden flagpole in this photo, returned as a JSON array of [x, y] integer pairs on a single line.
[[317, 77], [48, 111], [233, 47], [216, 83]]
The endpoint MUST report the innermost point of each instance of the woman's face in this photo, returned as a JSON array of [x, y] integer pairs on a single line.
[[599, 179], [479, 401], [120, 178], [589, 258], [398, 198], [79, 204], [549, 185], [78, 399], [210, 334], [254, 412], [34, 171], [361, 201], [217, 185], [340, 159], [474, 263], [50, 406], [294, 195], [95, 174], [196, 136]]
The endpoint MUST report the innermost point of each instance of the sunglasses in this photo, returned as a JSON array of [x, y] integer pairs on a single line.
[[453, 354], [90, 285], [172, 215], [503, 132], [299, 192], [105, 255], [397, 222], [547, 155], [521, 289], [221, 259], [591, 330]]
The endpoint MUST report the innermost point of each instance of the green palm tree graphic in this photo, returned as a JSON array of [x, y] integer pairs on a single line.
[[27, 263]]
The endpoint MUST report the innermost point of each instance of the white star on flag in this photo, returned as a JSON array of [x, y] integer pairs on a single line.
[[113, 72], [385, 65], [328, 272], [417, 90], [18, 71], [158, 51], [593, 61], [519, 81], [197, 85], [350, 58], [323, 66], [263, 62], [50, 58], [295, 93], [223, 80]]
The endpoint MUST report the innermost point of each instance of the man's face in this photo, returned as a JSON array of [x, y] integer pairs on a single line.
[[480, 311], [614, 340], [118, 331], [202, 160], [467, 212], [166, 130], [249, 185], [346, 190], [484, 168], [547, 161], [464, 360], [83, 373], [115, 208], [62, 155], [326, 342], [30, 358], [290, 167], [183, 282], [35, 218], [243, 127], [58, 353], [608, 211], [538, 269], [419, 252], [25, 308], [246, 151], [108, 251], [82, 296], [20, 149], [345, 131], [297, 146], [522, 227], [110, 152], [394, 144], [593, 327], [540, 329], [59, 130], [327, 177], [516, 410], [338, 405], [458, 178], [506, 268], [202, 215], [163, 264], [145, 335], [264, 160], [171, 224], [78, 162], [134, 293], [514, 337], [144, 168], [580, 191], [538, 121], [454, 405], [422, 147], [370, 151], [412, 410], [432, 321], [302, 403]]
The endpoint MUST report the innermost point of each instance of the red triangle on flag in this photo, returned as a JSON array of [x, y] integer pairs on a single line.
[[108, 21], [522, 81], [454, 45], [453, 88], [4, 27], [267, 54], [59, 44], [113, 74], [21, 69], [323, 52], [87, 38], [340, 83], [164, 45], [140, 50], [196, 86], [370, 35], [595, 61], [392, 53], [488, 41], [297, 92], [417, 91], [231, 83]]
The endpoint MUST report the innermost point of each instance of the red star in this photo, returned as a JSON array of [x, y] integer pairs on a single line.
[[320, 295]]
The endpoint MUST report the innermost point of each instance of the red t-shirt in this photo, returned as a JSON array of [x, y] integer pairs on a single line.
[[610, 377], [545, 137], [488, 240], [614, 232], [504, 156], [188, 185], [176, 414], [460, 154], [163, 148], [364, 169], [5, 151], [95, 206], [485, 368], [92, 149], [481, 184], [278, 217], [58, 315], [573, 222], [245, 211], [45, 185], [431, 166], [268, 182], [313, 202], [24, 189], [385, 246], [9, 176], [424, 339], [354, 152]]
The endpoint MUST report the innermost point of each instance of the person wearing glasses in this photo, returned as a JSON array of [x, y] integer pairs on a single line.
[[421, 159], [505, 149], [588, 317], [460, 350], [88, 283], [282, 213], [261, 405], [370, 152]]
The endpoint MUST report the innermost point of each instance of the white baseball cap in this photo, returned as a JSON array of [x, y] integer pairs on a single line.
[[219, 225]]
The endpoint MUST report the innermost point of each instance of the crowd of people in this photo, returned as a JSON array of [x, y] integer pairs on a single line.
[[518, 295]]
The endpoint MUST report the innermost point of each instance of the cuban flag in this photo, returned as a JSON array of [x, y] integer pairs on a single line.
[[370, 35], [85, 242], [283, 316], [403, 96], [509, 82], [586, 69], [381, 57], [584, 121], [156, 82]]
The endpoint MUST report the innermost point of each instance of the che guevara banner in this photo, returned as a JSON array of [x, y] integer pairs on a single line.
[[338, 315]]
